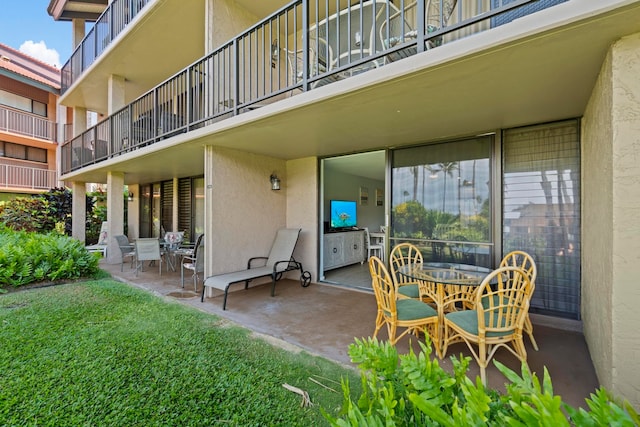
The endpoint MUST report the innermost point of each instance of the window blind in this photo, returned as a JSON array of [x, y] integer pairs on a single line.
[[541, 210]]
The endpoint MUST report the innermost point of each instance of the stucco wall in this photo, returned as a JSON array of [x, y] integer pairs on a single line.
[[229, 20], [611, 208], [301, 184], [246, 213]]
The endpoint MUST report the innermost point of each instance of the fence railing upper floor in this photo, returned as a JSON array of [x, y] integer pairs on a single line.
[[22, 177], [27, 124], [302, 46]]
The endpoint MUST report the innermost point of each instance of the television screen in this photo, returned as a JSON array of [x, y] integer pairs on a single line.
[[343, 213]]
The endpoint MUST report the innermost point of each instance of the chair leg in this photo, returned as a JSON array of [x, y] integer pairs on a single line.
[[182, 275], [528, 328]]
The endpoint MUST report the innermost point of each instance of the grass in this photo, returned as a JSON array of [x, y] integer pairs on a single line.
[[103, 353]]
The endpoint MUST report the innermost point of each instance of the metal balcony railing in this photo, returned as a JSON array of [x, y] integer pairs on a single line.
[[109, 25], [303, 46], [20, 177], [26, 124]]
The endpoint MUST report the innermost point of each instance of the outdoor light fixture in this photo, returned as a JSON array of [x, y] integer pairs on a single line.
[[275, 182], [130, 197]]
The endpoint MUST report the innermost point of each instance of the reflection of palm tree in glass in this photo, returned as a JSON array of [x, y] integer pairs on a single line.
[[446, 168]]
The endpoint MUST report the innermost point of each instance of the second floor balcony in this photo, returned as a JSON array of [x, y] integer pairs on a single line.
[[26, 124], [22, 178], [305, 46]]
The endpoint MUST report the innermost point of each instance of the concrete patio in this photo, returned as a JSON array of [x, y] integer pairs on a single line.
[[323, 320]]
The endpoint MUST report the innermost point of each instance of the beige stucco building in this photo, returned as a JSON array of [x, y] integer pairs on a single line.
[[471, 110]]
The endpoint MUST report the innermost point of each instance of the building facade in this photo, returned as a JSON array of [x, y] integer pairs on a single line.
[[469, 127], [29, 91]]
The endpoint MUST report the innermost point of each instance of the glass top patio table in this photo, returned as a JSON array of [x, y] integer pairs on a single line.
[[446, 273], [452, 286]]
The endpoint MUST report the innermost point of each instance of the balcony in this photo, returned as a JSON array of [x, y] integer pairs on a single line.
[[26, 124], [304, 46], [26, 178]]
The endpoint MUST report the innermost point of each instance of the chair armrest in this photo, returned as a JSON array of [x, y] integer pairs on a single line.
[[255, 258]]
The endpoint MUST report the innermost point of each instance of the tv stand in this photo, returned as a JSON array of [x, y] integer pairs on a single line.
[[343, 248]]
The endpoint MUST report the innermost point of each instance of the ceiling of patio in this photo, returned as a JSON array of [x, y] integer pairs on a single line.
[[510, 76]]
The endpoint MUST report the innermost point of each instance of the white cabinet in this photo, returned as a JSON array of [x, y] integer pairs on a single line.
[[343, 248]]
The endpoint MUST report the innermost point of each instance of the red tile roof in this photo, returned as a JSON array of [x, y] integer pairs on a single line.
[[19, 63]]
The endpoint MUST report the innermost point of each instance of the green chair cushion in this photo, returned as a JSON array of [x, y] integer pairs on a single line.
[[409, 291], [468, 321], [412, 309]]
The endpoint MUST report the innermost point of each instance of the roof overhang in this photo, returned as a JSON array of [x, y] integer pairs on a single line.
[[67, 10]]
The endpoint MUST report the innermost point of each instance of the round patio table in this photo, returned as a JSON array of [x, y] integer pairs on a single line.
[[450, 286]]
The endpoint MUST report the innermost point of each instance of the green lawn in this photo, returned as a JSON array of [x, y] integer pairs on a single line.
[[101, 353]]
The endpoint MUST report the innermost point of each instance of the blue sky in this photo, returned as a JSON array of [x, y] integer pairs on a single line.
[[25, 25]]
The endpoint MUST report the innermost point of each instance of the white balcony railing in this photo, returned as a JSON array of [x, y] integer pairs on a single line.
[[21, 177], [22, 123]]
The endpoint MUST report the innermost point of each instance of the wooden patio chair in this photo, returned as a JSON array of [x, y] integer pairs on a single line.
[[525, 261], [497, 319], [413, 314], [401, 255]]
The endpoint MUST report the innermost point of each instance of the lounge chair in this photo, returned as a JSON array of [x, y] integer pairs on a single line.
[[102, 244], [279, 261]]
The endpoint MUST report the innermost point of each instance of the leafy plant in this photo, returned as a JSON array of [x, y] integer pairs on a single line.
[[414, 390], [28, 257]]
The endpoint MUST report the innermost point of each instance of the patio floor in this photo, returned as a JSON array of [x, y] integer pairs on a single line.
[[324, 319]]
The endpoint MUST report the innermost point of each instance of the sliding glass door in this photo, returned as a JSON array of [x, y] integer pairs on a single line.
[[441, 200]]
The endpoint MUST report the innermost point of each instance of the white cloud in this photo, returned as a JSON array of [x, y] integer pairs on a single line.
[[40, 51]]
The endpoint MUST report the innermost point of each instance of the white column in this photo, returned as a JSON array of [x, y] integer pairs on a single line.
[[208, 211], [79, 120], [115, 214], [174, 212], [78, 210], [78, 32], [115, 93], [208, 26], [133, 213]]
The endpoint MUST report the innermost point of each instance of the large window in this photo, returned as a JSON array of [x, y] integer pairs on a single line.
[[22, 103], [541, 210], [23, 152], [441, 200]]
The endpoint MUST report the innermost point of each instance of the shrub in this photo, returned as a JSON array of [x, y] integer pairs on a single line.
[[27, 257], [414, 390]]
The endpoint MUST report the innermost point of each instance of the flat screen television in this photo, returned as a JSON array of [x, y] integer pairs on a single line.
[[343, 214]]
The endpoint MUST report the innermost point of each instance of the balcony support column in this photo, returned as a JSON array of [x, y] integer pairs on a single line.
[[78, 32], [79, 120], [115, 94], [78, 210], [115, 213], [209, 44]]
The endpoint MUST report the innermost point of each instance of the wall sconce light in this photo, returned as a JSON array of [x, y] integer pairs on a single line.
[[275, 182], [130, 197]]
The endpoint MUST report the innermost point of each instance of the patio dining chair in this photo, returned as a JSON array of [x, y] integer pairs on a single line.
[[402, 255], [147, 249], [413, 314], [127, 250], [497, 319], [525, 261], [194, 262]]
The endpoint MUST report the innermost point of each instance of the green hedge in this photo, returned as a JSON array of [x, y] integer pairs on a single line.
[[411, 390], [27, 257]]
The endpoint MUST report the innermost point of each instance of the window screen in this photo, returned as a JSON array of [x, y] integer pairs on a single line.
[[541, 210]]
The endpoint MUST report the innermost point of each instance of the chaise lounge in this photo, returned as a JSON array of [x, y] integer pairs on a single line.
[[279, 261]]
